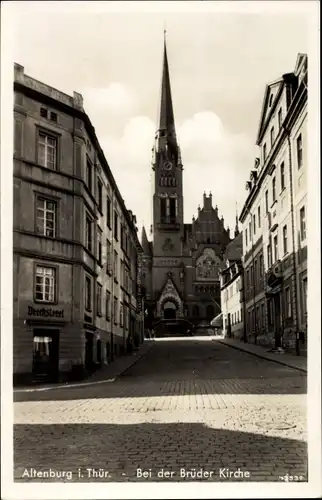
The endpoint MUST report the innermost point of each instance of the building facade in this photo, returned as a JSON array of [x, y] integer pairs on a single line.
[[232, 290], [75, 245], [182, 263], [274, 217]]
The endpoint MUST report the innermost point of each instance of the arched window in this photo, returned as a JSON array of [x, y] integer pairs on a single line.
[[195, 311], [210, 312]]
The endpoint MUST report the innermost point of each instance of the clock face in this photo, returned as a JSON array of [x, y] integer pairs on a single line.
[[167, 165]]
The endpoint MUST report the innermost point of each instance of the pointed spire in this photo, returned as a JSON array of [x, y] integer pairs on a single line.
[[167, 132], [145, 242], [236, 227], [166, 110]]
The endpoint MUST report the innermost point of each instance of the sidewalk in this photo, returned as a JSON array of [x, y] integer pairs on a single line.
[[290, 360], [106, 374]]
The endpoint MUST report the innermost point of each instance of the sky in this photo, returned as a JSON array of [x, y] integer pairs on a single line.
[[219, 65]]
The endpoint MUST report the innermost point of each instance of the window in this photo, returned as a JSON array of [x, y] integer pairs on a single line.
[[100, 195], [299, 151], [115, 265], [107, 305], [88, 233], [44, 112], [288, 305], [280, 118], [108, 212], [246, 239], [121, 315], [259, 216], [108, 257], [255, 274], [261, 266], [302, 224], [274, 189], [46, 217], [272, 136], [122, 237], [98, 299], [53, 116], [163, 209], [89, 174], [172, 209], [99, 245], [285, 239], [254, 224], [275, 244], [115, 311], [265, 152], [266, 201], [88, 293], [45, 284], [282, 176], [269, 256], [47, 151], [270, 100], [116, 226], [304, 296]]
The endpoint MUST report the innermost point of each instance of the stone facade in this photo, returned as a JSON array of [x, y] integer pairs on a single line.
[[274, 217], [181, 266], [75, 245], [233, 291]]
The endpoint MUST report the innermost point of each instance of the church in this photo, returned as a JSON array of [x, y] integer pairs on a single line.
[[180, 267]]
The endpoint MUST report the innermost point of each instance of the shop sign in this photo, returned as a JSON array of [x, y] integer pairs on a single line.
[[45, 312]]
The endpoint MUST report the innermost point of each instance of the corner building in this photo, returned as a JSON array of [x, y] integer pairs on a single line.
[[274, 217], [75, 245], [181, 265]]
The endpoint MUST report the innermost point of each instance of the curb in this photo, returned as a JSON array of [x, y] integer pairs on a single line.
[[81, 384], [259, 355]]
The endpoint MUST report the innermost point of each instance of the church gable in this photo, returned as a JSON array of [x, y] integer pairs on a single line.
[[208, 265], [169, 290]]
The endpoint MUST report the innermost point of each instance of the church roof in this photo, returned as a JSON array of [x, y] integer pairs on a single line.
[[234, 250], [145, 243]]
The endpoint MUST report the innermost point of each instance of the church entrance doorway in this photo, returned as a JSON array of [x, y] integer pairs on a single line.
[[169, 310]]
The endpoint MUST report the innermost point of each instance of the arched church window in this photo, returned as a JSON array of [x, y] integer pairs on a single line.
[[195, 311], [210, 311]]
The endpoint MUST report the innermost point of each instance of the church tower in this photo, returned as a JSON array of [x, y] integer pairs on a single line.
[[168, 226]]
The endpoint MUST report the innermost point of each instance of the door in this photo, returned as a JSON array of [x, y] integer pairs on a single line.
[[89, 351], [46, 354], [277, 319]]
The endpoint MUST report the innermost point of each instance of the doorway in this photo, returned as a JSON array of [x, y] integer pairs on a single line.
[[169, 310], [45, 364], [277, 319], [89, 351]]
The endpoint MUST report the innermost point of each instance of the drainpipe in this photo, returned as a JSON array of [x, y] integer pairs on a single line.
[[297, 342]]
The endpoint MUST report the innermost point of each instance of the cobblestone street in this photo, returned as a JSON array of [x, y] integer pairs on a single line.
[[188, 404]]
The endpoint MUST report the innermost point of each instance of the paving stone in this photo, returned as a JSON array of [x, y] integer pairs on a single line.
[[187, 404]]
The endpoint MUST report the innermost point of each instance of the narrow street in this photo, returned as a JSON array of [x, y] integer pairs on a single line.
[[190, 409]]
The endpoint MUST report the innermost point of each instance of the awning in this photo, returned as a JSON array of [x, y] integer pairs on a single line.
[[217, 321]]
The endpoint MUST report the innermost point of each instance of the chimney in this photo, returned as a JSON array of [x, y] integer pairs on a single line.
[[78, 100], [19, 72]]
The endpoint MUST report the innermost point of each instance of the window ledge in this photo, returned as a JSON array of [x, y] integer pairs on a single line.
[[284, 189], [274, 203]]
